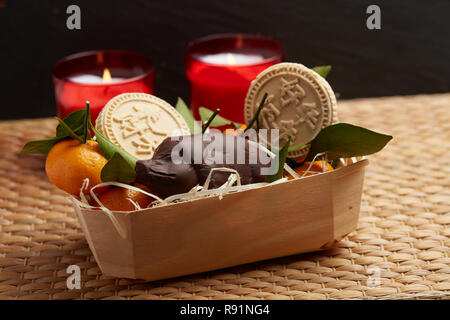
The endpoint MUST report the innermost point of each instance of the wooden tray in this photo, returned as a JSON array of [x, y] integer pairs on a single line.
[[295, 216]]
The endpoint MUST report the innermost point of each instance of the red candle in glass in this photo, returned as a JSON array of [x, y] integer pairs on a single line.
[[98, 76], [221, 67]]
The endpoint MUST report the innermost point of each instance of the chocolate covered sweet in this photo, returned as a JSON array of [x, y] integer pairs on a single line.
[[180, 163]]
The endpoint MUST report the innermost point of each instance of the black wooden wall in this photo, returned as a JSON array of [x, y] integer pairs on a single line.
[[409, 55]]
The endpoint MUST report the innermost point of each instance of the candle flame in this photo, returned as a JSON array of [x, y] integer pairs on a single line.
[[106, 76], [230, 59]]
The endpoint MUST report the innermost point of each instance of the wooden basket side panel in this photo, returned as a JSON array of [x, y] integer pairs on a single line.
[[347, 187], [114, 254], [278, 220], [191, 237], [85, 229]]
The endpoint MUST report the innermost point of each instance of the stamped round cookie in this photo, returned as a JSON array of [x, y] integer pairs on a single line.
[[299, 104], [139, 122]]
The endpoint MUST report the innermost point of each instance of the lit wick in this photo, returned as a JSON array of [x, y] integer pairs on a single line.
[[106, 76]]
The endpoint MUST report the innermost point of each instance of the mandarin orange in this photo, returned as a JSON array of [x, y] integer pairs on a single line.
[[69, 162], [317, 166], [235, 132], [116, 199]]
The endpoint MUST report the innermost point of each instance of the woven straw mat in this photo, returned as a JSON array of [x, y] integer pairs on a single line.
[[402, 236]]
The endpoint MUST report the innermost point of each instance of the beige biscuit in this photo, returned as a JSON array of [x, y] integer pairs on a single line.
[[299, 103], [331, 95], [139, 122]]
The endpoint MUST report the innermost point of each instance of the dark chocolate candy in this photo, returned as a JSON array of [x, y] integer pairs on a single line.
[[167, 177]]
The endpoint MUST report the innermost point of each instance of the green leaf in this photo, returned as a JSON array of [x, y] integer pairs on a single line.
[[322, 70], [68, 131], [40, 146], [218, 121], [118, 169], [183, 109], [108, 149], [343, 140], [281, 158], [74, 121], [70, 127], [296, 147]]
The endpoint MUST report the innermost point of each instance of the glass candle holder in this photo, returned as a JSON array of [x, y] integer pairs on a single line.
[[220, 69], [98, 76]]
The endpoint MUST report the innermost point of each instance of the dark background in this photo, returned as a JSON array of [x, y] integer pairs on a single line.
[[409, 55]]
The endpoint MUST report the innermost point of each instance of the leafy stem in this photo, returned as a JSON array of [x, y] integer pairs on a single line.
[[279, 160], [68, 131], [86, 122], [218, 121], [256, 116], [211, 118]]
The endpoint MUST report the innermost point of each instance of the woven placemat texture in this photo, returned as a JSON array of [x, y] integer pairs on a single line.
[[402, 235]]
